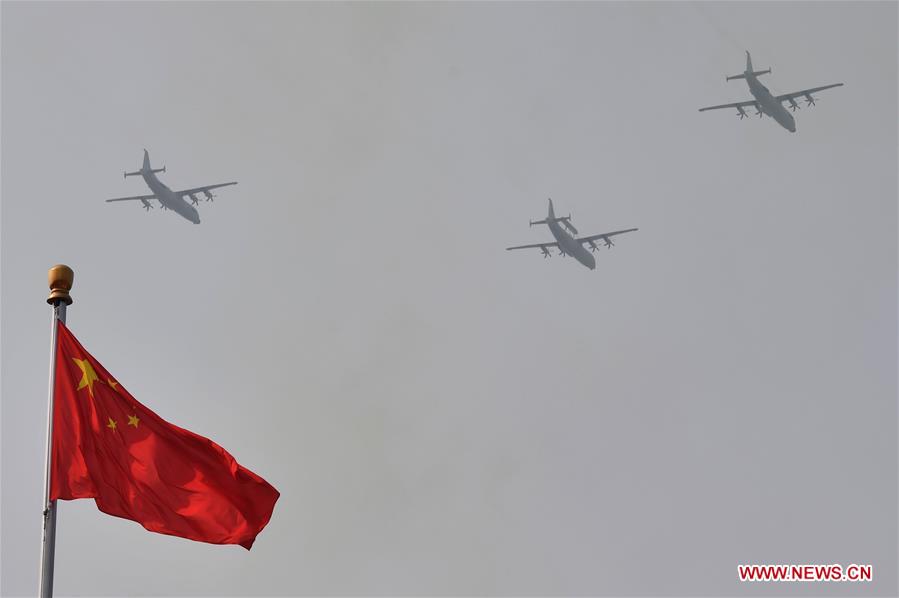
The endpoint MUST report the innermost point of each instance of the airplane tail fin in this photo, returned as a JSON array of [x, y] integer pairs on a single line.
[[748, 70], [139, 172], [564, 221], [743, 75], [550, 216], [146, 167], [553, 219]]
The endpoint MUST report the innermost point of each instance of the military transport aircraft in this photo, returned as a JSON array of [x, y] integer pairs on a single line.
[[765, 103], [567, 244], [168, 199]]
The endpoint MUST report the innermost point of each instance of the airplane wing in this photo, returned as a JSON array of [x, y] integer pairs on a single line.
[[534, 246], [737, 105], [805, 92], [203, 189], [604, 236], [143, 198]]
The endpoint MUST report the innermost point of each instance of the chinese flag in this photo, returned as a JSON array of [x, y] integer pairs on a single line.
[[136, 465]]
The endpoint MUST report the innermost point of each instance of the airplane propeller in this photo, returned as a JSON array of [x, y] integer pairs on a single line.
[[809, 100], [609, 243], [209, 195], [593, 246], [793, 105]]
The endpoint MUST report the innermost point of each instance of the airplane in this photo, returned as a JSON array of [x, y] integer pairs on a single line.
[[568, 244], [765, 103], [168, 199]]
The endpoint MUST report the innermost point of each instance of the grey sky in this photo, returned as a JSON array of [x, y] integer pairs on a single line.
[[442, 416]]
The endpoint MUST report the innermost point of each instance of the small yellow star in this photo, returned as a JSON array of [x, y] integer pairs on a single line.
[[89, 376], [111, 425], [112, 383], [133, 420]]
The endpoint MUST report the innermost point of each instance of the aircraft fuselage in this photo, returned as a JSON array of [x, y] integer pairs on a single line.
[[168, 199], [568, 245], [769, 104]]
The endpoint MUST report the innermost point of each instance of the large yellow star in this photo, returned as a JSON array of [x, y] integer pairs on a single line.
[[111, 425], [89, 376], [112, 383], [133, 420]]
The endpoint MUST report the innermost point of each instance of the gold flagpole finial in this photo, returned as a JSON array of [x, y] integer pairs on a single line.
[[60, 278]]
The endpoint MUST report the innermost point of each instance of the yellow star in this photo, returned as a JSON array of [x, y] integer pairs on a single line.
[[89, 376], [112, 383], [133, 420], [111, 425]]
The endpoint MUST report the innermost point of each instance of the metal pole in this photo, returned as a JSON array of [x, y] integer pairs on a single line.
[[60, 278]]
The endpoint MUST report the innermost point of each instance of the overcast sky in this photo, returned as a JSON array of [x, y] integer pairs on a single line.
[[442, 416]]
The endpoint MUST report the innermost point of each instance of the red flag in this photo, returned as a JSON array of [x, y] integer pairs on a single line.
[[136, 465]]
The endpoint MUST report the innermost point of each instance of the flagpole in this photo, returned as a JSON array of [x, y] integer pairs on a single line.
[[60, 278]]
